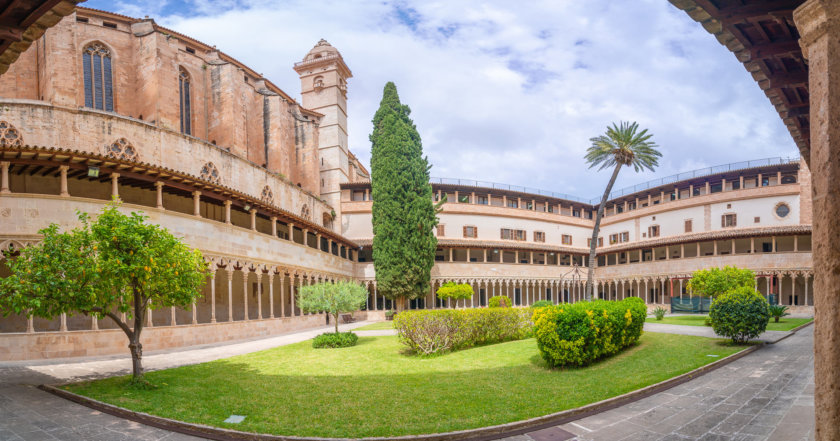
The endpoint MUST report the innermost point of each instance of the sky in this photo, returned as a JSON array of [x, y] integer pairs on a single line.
[[505, 91]]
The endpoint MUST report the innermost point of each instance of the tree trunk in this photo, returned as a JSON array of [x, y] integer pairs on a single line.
[[336, 322], [590, 276], [135, 346], [399, 304], [136, 358]]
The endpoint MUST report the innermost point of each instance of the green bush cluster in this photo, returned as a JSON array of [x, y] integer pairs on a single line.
[[542, 304], [659, 313], [740, 314], [499, 302], [580, 333], [443, 330], [335, 340]]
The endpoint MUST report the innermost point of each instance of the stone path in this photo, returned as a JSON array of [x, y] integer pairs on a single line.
[[706, 331], [767, 395]]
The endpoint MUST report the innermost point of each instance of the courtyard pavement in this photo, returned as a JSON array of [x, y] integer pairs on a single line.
[[767, 395]]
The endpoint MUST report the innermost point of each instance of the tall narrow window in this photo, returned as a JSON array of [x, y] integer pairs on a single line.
[[99, 87], [184, 96]]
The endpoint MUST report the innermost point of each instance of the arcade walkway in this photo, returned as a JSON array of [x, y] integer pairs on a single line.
[[767, 395]]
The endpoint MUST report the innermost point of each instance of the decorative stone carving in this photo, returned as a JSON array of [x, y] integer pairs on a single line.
[[304, 212], [9, 135], [210, 173], [121, 149], [267, 195]]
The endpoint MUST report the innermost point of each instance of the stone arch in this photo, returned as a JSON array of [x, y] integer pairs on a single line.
[[122, 149], [9, 135], [210, 173]]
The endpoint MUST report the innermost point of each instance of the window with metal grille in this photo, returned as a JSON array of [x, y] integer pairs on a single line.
[[98, 82], [184, 99]]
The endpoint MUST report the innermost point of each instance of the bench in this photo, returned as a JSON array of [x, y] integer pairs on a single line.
[[347, 318]]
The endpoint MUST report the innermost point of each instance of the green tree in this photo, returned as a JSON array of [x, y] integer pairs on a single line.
[[715, 281], [455, 291], [116, 266], [621, 145], [332, 298], [404, 214]]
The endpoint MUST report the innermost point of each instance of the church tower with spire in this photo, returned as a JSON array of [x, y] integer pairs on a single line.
[[323, 80]]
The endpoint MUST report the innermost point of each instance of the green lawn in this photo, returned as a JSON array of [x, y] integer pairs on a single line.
[[373, 389], [785, 324], [378, 326]]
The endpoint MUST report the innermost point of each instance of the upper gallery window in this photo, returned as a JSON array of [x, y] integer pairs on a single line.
[[99, 88], [184, 100]]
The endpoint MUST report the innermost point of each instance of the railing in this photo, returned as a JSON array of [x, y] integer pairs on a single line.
[[627, 190], [327, 57]]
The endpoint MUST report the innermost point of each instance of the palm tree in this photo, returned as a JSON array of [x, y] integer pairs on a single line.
[[621, 145]]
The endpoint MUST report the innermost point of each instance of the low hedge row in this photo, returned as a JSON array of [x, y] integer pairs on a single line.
[[335, 340], [580, 333], [437, 331]]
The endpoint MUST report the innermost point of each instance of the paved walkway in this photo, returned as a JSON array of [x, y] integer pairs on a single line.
[[765, 395], [706, 331]]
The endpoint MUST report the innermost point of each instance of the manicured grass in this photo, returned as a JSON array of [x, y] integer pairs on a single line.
[[785, 324], [378, 326], [373, 389]]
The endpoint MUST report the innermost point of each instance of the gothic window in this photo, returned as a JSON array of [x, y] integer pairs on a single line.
[[210, 173], [121, 149], [184, 100], [267, 196], [9, 136], [99, 89]]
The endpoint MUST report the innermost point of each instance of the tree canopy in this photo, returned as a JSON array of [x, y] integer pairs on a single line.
[[115, 266], [332, 298], [404, 214], [715, 281], [455, 291]]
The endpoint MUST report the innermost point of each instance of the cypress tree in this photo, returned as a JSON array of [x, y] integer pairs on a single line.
[[404, 214]]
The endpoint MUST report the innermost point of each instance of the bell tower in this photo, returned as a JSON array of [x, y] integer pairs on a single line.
[[323, 81]]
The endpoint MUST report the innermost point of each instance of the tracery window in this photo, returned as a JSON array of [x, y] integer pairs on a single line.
[[210, 173], [184, 100], [99, 89], [121, 149], [9, 135]]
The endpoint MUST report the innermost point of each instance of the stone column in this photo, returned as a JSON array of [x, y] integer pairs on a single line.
[[63, 321], [149, 319], [4, 177], [94, 323], [172, 316], [647, 292], [213, 295], [806, 288], [159, 191], [292, 292], [254, 219], [245, 273], [271, 294], [194, 314], [30, 324], [197, 203], [259, 275], [115, 188], [63, 169], [228, 203], [282, 289], [230, 292], [274, 226]]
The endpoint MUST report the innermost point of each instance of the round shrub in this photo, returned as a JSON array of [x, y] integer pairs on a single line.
[[499, 302], [580, 333], [335, 340], [740, 314], [542, 304]]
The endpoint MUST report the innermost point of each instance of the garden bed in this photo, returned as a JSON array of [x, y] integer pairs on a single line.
[[373, 389]]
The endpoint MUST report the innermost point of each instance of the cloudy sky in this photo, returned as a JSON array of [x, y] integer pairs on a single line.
[[507, 91]]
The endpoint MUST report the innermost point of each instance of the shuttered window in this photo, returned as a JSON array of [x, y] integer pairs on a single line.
[[728, 220], [184, 98], [470, 231], [98, 78]]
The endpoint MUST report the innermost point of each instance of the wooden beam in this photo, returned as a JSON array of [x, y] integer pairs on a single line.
[[765, 8], [768, 50], [791, 79]]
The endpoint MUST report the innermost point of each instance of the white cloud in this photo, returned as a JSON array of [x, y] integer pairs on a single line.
[[510, 92]]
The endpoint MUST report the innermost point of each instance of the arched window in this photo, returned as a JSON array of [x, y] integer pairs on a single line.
[[99, 87], [184, 96]]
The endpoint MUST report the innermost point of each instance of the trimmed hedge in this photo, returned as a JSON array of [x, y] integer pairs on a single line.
[[580, 333], [499, 302], [335, 340], [443, 330], [740, 314]]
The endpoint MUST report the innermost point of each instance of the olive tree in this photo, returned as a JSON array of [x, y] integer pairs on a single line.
[[715, 281], [451, 290], [332, 298], [115, 266]]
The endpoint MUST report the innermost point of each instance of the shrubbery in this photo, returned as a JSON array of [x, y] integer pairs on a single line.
[[499, 302], [580, 333], [335, 340], [431, 332], [542, 304], [740, 314]]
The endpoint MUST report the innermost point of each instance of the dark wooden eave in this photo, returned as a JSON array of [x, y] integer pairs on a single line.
[[24, 21], [762, 35]]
